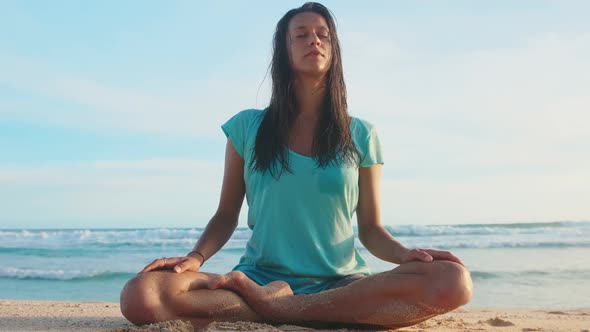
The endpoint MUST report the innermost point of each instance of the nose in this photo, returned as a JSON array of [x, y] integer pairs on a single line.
[[315, 40]]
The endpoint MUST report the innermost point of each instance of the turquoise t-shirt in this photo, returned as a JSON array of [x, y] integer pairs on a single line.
[[301, 224]]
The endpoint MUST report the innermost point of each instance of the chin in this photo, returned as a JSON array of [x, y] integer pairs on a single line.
[[313, 71]]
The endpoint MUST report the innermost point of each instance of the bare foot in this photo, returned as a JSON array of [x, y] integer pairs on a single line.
[[265, 300]]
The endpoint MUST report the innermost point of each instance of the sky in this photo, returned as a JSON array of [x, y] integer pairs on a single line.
[[110, 111]]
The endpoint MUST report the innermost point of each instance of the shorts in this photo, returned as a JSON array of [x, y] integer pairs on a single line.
[[299, 285], [346, 280]]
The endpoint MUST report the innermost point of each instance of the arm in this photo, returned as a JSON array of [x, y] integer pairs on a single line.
[[222, 225], [371, 233], [374, 236], [225, 220]]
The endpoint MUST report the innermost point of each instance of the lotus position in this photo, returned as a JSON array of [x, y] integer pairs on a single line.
[[305, 167]]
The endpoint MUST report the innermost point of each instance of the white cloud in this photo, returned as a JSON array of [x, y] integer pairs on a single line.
[[497, 135], [476, 136], [136, 194], [160, 193], [192, 109], [513, 107], [488, 199]]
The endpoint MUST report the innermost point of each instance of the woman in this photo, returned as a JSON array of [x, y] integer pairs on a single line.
[[305, 167]]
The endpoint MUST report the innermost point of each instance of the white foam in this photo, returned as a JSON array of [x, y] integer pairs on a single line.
[[445, 236]]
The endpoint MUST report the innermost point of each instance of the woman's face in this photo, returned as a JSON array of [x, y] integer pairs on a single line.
[[308, 44]]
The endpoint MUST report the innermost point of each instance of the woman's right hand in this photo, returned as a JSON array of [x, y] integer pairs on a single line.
[[177, 264]]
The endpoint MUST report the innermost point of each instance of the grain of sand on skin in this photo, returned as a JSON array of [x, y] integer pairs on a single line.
[[17, 315]]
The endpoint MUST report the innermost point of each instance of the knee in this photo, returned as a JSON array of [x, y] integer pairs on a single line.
[[140, 299], [452, 285]]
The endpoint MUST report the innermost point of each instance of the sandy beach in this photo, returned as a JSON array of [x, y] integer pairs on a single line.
[[17, 315]]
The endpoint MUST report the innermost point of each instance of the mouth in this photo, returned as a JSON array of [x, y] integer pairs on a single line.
[[314, 53]]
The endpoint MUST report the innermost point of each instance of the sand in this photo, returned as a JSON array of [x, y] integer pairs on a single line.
[[17, 315]]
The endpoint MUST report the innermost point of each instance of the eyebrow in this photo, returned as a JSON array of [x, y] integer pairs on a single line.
[[305, 27]]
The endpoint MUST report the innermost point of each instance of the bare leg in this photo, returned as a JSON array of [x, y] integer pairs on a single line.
[[164, 295], [404, 296]]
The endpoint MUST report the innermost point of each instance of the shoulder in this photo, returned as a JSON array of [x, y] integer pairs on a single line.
[[367, 142], [241, 128], [361, 129], [244, 120], [250, 114]]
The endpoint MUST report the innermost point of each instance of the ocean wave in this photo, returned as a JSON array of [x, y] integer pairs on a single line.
[[553, 274], [65, 275], [179, 247], [110, 238], [81, 276], [555, 228], [48, 252], [494, 243], [65, 242]]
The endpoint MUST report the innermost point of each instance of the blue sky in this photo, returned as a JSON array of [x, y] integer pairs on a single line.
[[110, 111]]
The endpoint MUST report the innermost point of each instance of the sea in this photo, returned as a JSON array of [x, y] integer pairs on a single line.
[[519, 265]]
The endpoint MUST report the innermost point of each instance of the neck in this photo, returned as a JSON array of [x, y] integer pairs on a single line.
[[310, 94]]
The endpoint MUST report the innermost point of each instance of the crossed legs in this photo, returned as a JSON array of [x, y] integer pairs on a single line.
[[165, 295], [406, 295]]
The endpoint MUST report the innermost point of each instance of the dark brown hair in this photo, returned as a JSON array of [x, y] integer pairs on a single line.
[[332, 143]]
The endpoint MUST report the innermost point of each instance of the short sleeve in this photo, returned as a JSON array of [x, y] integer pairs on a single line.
[[372, 150], [235, 129]]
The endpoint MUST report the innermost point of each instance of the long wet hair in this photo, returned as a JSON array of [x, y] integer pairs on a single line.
[[332, 143]]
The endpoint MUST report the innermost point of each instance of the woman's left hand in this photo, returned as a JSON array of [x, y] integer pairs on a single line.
[[428, 255]]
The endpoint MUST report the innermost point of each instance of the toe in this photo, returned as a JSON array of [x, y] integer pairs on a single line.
[[236, 278], [215, 282], [280, 288]]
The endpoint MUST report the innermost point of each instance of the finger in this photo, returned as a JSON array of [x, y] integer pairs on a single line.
[[186, 265], [161, 263], [151, 266], [444, 255], [421, 255], [169, 262], [179, 268], [459, 261]]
